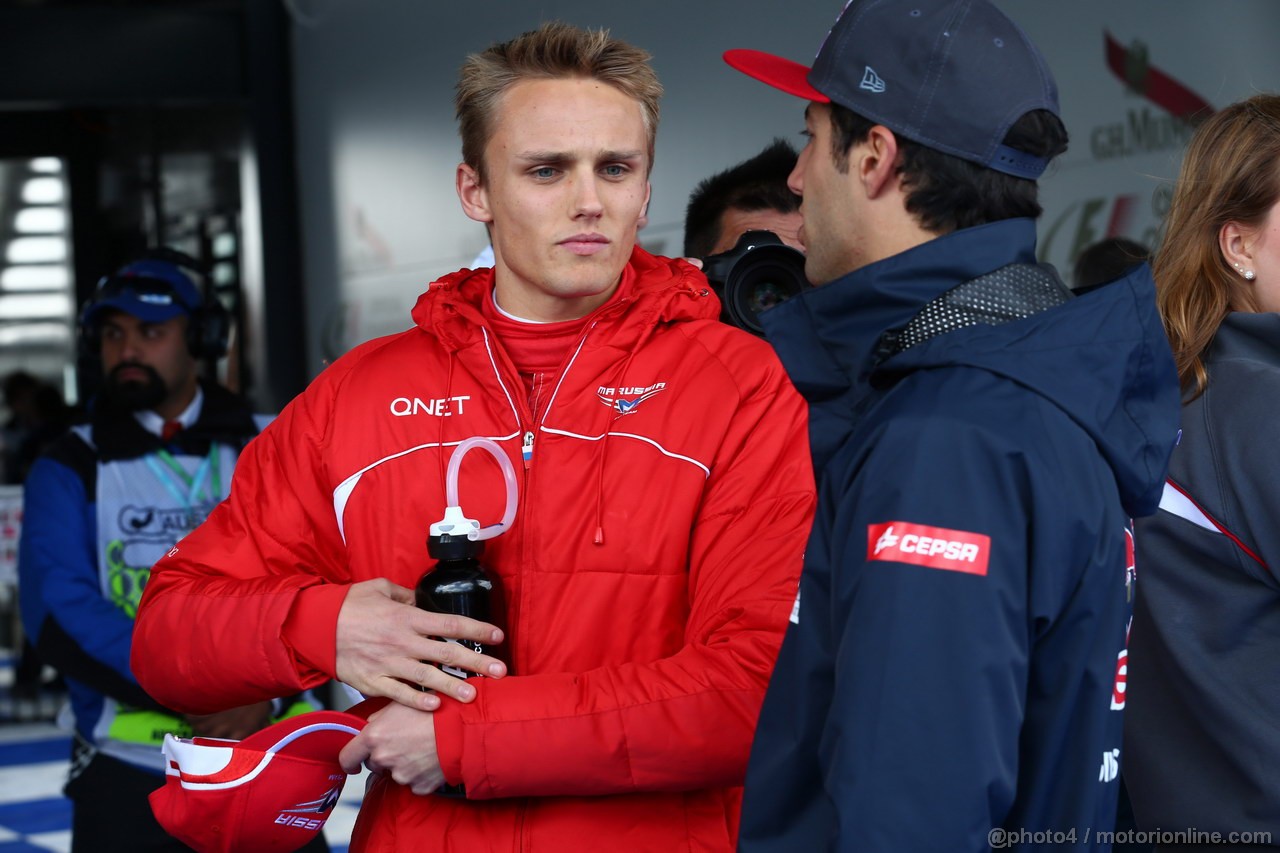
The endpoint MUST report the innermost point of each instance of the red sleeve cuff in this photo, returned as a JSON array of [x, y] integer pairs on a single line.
[[449, 727], [310, 630]]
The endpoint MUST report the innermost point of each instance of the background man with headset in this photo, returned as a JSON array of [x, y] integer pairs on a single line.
[[105, 502]]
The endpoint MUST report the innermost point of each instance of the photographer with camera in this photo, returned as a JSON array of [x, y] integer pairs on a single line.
[[744, 223]]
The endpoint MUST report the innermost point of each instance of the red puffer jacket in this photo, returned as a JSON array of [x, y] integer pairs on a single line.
[[649, 574]]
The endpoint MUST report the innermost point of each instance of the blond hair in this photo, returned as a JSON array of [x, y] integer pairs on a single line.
[[553, 51], [1230, 173]]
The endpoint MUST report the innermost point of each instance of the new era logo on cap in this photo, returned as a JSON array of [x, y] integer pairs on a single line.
[[269, 793], [871, 81]]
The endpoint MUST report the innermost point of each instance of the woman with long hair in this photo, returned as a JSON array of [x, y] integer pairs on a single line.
[[1202, 731]]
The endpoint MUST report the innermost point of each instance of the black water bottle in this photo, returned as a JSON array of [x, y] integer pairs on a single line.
[[459, 584]]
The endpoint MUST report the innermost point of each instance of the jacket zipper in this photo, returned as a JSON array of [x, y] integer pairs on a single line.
[[526, 452]]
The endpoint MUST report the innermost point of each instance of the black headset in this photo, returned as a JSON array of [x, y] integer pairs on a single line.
[[208, 322]]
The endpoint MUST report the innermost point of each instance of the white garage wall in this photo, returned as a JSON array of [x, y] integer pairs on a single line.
[[377, 142]]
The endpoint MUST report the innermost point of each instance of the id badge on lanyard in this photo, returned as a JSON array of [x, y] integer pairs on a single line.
[[189, 490]]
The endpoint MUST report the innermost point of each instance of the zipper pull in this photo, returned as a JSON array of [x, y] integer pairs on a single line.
[[527, 449]]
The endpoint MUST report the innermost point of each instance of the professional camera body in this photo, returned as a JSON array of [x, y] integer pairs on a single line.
[[759, 272]]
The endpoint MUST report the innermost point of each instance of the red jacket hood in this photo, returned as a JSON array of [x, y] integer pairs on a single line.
[[665, 290]]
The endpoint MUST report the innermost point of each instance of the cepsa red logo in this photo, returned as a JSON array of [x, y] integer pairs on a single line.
[[1131, 562], [1121, 683], [934, 547], [1122, 661]]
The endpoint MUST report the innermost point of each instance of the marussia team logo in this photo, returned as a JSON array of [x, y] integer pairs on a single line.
[[934, 547], [624, 401], [322, 806]]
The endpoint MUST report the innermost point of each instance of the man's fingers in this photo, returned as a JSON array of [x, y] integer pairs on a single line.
[[353, 755], [415, 684], [387, 647], [408, 695], [458, 656], [455, 627], [442, 682]]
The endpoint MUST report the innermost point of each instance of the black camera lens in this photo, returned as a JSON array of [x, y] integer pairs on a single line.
[[756, 274]]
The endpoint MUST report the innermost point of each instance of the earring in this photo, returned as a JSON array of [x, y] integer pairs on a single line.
[[1248, 275]]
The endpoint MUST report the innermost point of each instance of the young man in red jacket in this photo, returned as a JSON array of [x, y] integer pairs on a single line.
[[665, 495]]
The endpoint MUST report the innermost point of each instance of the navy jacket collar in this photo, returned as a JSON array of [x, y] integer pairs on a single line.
[[826, 336]]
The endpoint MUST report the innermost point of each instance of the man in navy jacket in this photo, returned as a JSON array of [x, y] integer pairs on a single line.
[[954, 673]]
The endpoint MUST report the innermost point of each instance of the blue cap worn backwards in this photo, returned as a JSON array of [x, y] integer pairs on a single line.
[[151, 290], [952, 75]]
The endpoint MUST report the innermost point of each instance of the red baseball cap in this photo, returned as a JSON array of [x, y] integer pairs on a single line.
[[271, 792]]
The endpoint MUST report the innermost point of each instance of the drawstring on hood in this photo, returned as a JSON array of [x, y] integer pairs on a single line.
[[448, 395], [603, 453], [684, 296]]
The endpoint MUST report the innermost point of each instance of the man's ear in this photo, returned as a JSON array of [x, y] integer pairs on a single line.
[[472, 194], [644, 211], [877, 162]]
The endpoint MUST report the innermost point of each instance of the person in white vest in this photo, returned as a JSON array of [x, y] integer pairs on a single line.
[[106, 501]]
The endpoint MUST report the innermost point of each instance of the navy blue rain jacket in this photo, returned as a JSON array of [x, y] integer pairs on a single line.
[[949, 682]]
